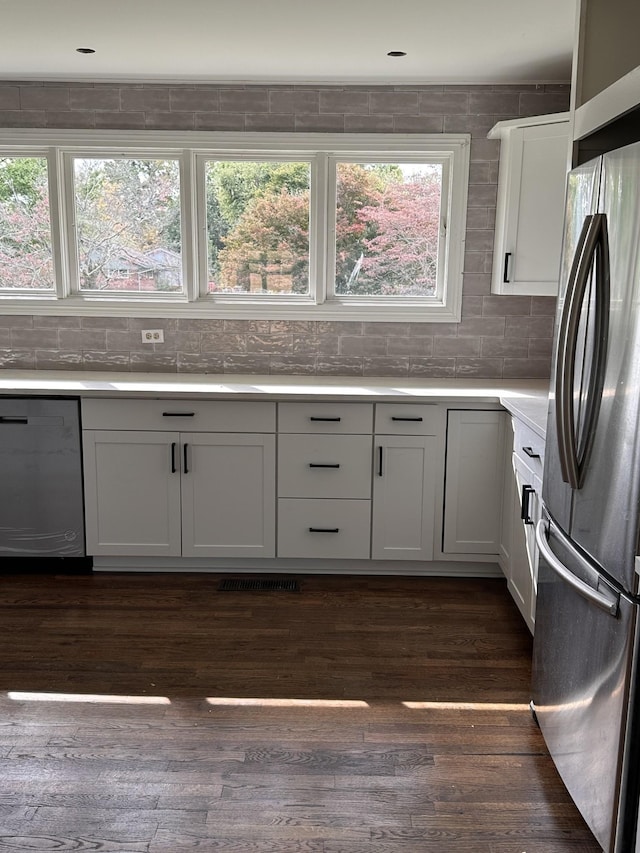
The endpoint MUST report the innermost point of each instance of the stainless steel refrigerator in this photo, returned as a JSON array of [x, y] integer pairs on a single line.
[[586, 644]]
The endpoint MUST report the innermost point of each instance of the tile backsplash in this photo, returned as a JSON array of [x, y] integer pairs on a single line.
[[498, 337]]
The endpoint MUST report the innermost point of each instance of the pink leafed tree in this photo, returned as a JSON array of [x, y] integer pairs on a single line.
[[25, 243]]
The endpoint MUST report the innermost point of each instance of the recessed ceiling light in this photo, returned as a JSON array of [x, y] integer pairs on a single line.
[[396, 53], [85, 50]]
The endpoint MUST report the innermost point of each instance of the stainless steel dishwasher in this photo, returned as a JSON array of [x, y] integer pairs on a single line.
[[41, 500]]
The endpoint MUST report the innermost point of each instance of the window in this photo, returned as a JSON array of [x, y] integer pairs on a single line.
[[312, 226]]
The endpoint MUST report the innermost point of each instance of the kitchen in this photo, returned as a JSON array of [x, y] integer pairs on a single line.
[[502, 344]]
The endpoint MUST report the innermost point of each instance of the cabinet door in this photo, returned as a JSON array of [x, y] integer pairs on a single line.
[[132, 493], [473, 484], [530, 211], [228, 495], [404, 486]]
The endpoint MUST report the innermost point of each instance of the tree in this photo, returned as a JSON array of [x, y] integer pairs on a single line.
[[25, 230]]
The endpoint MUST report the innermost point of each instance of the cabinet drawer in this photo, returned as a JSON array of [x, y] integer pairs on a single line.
[[321, 528], [179, 415], [355, 418], [528, 446], [409, 419], [324, 466]]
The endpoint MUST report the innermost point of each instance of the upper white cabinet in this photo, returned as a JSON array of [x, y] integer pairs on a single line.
[[534, 158]]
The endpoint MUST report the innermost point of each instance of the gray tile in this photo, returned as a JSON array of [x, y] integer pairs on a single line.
[[9, 98], [315, 343], [545, 305], [106, 361], [246, 327], [49, 321], [119, 323], [477, 262], [434, 368], [212, 342], [200, 362], [219, 121], [17, 359], [474, 124], [56, 360], [480, 218], [16, 321], [384, 328], [203, 100], [540, 347], [187, 342], [310, 123], [442, 330], [274, 343], [117, 341], [348, 102], [144, 99], [293, 101], [445, 103], [244, 100], [471, 306], [336, 327], [534, 104], [454, 347], [505, 347], [154, 362], [480, 172], [527, 368], [70, 119], [5, 338], [385, 366], [120, 121], [247, 364], [195, 324], [22, 118], [418, 124], [482, 195], [82, 340], [480, 241], [339, 366], [503, 306], [485, 149], [44, 98], [394, 103], [95, 99], [411, 346], [363, 346], [368, 124], [293, 327], [32, 338], [280, 365], [481, 368], [167, 324], [270, 122], [476, 284], [154, 120], [494, 103], [529, 327], [476, 327]]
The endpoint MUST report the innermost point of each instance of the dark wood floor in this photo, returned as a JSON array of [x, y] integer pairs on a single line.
[[360, 715]]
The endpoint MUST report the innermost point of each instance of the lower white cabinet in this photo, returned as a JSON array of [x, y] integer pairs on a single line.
[[473, 482], [179, 494], [406, 472]]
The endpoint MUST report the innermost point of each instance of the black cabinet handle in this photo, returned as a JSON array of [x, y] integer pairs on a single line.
[[178, 414], [527, 491], [531, 452], [325, 419], [185, 459], [380, 452], [394, 418], [505, 274], [324, 530], [13, 419], [173, 457], [324, 464]]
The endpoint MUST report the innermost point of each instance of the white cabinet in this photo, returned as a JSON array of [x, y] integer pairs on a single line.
[[522, 509], [473, 482], [164, 493], [404, 488], [324, 480], [534, 158]]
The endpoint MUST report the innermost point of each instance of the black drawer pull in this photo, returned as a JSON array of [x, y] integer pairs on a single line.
[[525, 515], [324, 464], [380, 452], [178, 414], [394, 418], [13, 419], [173, 457], [324, 530], [531, 452], [335, 420], [505, 271], [186, 458]]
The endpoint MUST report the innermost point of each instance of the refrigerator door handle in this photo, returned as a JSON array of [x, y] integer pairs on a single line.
[[605, 599], [592, 249]]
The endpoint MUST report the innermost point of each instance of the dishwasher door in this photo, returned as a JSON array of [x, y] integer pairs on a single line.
[[41, 499]]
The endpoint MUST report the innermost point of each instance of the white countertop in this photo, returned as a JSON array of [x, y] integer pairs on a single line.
[[524, 398]]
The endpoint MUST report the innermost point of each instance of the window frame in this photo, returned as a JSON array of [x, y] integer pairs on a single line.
[[193, 150]]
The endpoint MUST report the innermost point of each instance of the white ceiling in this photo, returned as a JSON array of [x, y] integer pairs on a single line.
[[288, 41]]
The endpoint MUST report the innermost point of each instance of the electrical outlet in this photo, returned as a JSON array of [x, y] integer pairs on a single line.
[[152, 336]]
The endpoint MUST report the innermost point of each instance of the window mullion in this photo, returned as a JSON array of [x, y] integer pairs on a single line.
[[319, 228], [191, 227]]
